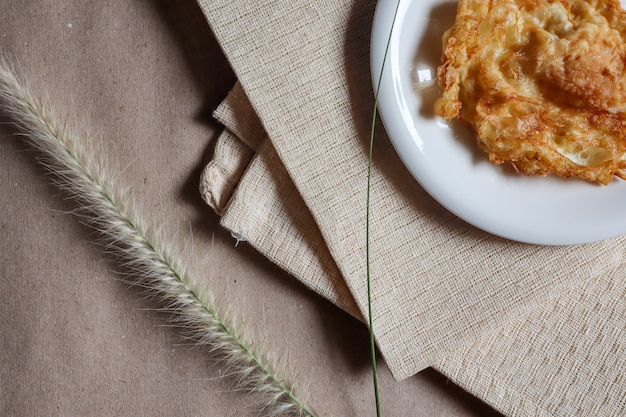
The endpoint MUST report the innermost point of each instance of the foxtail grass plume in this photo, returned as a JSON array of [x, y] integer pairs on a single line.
[[153, 264]]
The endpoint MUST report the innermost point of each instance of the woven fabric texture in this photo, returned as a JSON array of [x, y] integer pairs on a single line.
[[219, 178], [563, 358], [438, 284]]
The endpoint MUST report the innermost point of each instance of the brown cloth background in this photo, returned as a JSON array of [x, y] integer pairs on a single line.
[[142, 78]]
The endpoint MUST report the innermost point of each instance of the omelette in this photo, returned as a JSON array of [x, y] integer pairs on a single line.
[[542, 83]]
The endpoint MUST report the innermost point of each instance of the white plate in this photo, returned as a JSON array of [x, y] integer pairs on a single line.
[[445, 160]]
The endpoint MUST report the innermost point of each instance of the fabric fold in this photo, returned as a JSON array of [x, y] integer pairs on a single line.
[[438, 283], [221, 176], [266, 211], [563, 358]]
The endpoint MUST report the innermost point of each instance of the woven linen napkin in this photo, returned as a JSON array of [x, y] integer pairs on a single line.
[[439, 285], [564, 358]]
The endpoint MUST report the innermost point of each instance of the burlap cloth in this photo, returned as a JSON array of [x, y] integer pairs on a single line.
[[532, 330]]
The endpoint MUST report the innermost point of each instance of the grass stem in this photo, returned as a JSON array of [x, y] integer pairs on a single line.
[[367, 219], [154, 265]]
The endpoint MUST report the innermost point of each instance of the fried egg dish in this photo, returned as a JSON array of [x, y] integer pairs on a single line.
[[542, 83]]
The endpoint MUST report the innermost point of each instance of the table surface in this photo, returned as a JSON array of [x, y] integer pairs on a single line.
[[140, 79]]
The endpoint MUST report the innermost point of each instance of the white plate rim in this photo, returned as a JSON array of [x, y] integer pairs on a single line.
[[547, 211]]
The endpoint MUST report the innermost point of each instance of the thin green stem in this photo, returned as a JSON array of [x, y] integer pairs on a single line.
[[367, 218]]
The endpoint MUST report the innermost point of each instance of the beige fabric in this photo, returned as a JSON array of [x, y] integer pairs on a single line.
[[219, 177], [244, 125], [564, 358], [260, 212], [439, 285], [234, 148]]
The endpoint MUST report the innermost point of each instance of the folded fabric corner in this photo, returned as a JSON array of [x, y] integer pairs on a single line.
[[221, 175], [562, 358]]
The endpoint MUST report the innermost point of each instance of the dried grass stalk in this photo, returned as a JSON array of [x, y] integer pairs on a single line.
[[153, 265]]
